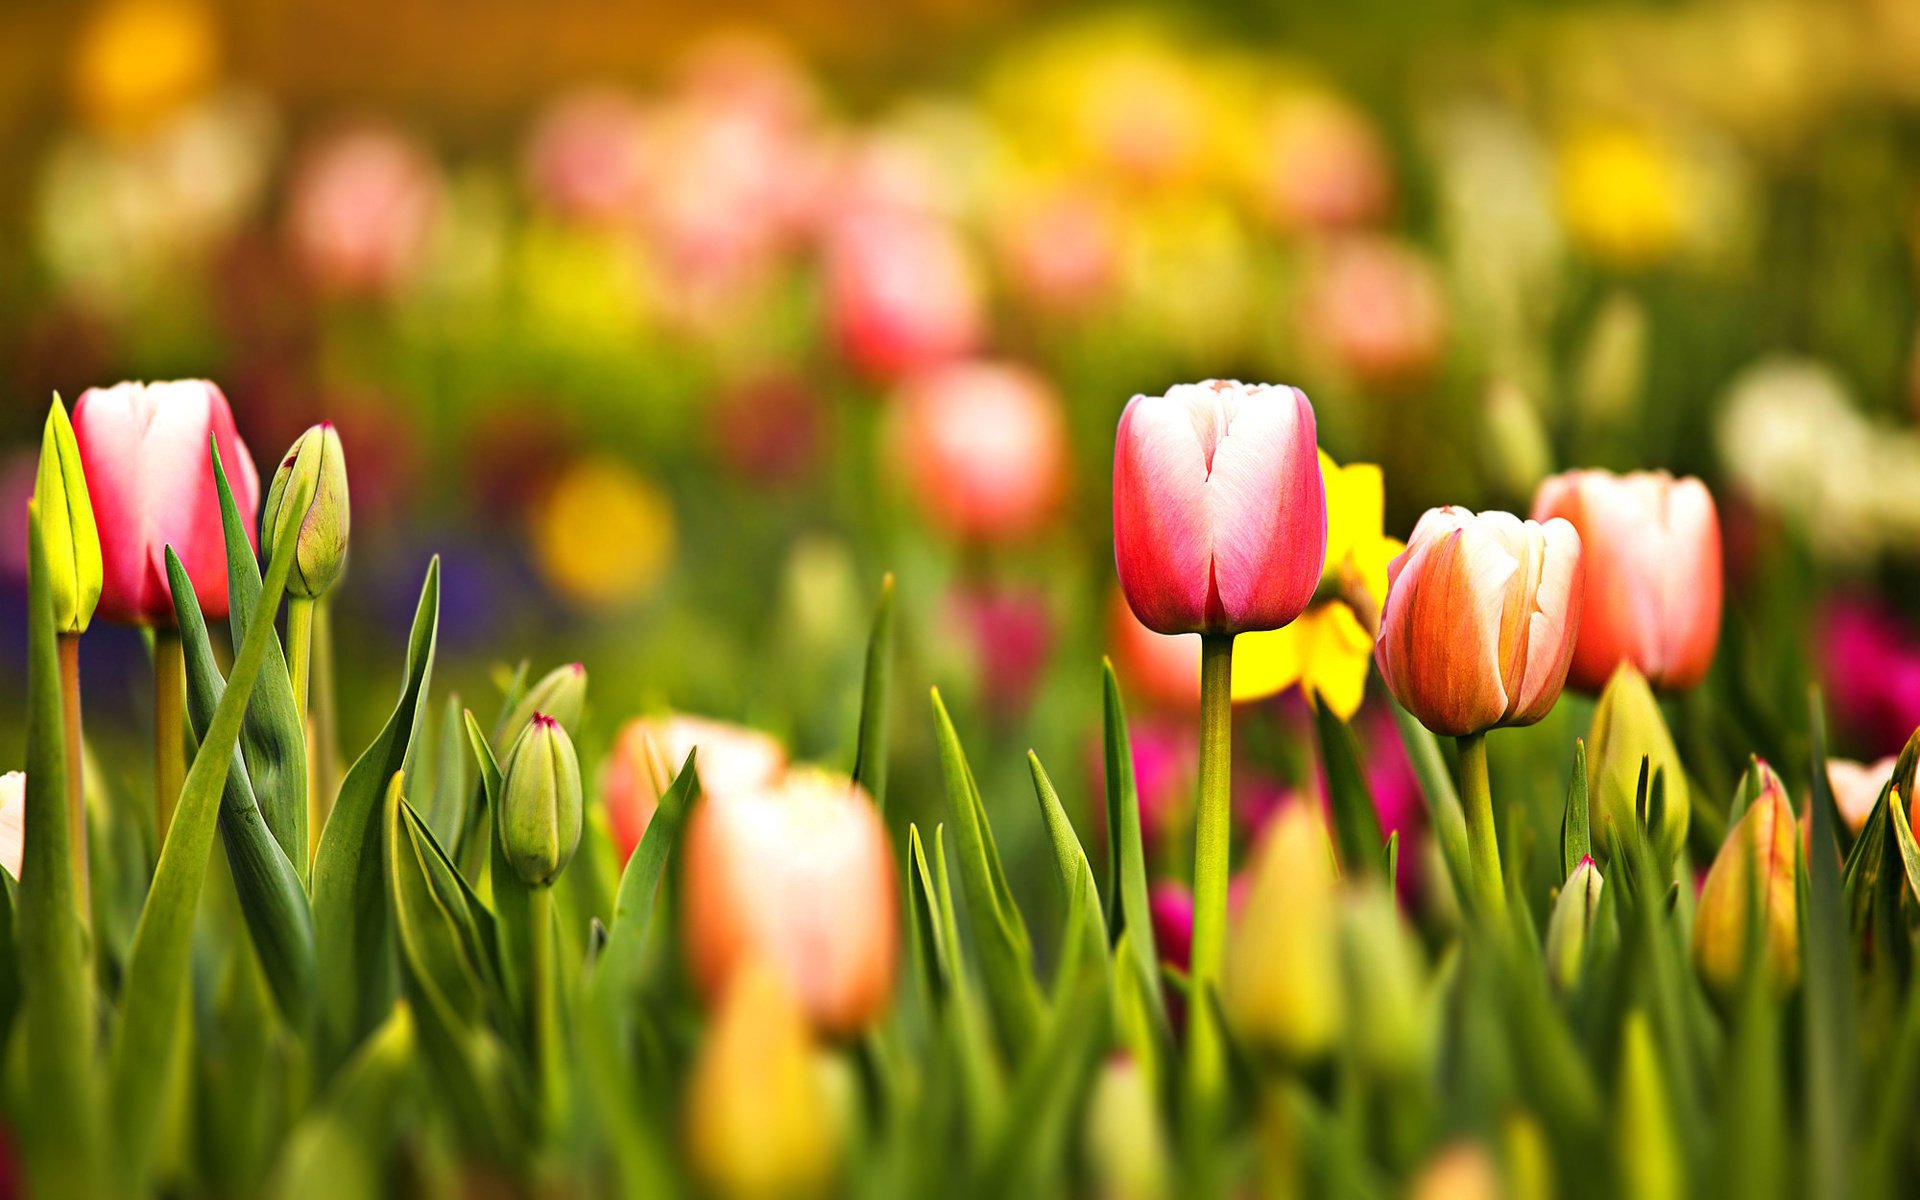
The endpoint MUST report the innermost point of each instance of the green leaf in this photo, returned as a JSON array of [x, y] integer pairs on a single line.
[[447, 804], [1028, 1154], [1000, 934], [349, 885], [341, 1147], [1128, 910], [153, 993], [1079, 894], [633, 904], [272, 899], [62, 1145], [870, 761], [1449, 820], [969, 1041], [1356, 823], [273, 739], [927, 942], [1830, 1042], [445, 933], [1576, 836], [1909, 852]]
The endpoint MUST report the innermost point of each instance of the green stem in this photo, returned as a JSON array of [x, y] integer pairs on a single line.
[[76, 782], [1483, 842], [546, 1026], [323, 782], [169, 727], [1212, 843], [300, 648]]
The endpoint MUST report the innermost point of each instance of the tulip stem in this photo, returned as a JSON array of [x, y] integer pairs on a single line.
[[1212, 843], [169, 728], [1483, 842], [323, 782], [546, 1029], [76, 783], [300, 649]]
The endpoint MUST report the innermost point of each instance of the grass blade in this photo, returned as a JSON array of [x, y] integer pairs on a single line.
[[1128, 911], [876, 688], [1576, 833], [1356, 823]]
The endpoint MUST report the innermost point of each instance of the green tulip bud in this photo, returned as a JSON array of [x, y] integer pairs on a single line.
[[66, 524], [1126, 1146], [1570, 927], [1282, 991], [1627, 728], [561, 694], [540, 802], [1646, 1136], [1386, 986], [1755, 874], [322, 549]]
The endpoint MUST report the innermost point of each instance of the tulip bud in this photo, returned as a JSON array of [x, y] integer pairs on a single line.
[[1126, 1147], [1283, 990], [1570, 928], [1653, 582], [1386, 985], [321, 550], [1627, 728], [1219, 510], [74, 569], [758, 1121], [1754, 873], [1478, 626], [561, 694], [540, 802]]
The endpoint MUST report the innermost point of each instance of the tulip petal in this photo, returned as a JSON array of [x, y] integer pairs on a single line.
[[1161, 527], [1269, 543]]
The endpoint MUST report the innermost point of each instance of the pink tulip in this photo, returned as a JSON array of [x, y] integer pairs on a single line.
[[363, 209], [982, 446], [587, 157], [1324, 166], [902, 292], [13, 821], [1219, 513], [1480, 619], [1377, 306], [799, 875], [1856, 788], [1060, 252], [1652, 547], [649, 750], [145, 448]]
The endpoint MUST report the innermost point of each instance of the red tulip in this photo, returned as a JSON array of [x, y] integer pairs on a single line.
[[1652, 546], [649, 750], [145, 448], [1480, 618], [800, 875], [983, 448], [1219, 513], [902, 292]]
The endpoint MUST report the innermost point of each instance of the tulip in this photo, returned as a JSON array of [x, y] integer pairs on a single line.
[[1570, 927], [364, 205], [1755, 873], [902, 292], [321, 550], [1477, 632], [13, 821], [758, 1122], [982, 446], [540, 803], [1219, 528], [587, 157], [800, 874], [1628, 730], [1652, 596], [144, 451], [1282, 991], [561, 694], [1219, 511], [648, 752], [1324, 168], [1126, 1143], [64, 510], [1857, 787], [1378, 307]]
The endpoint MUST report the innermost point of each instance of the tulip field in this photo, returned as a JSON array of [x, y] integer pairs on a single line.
[[980, 601]]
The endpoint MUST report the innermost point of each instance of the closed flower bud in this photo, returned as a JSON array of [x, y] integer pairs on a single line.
[[1479, 622], [1282, 992], [321, 550], [799, 875], [1628, 728], [1653, 583], [1754, 874], [1570, 928], [1219, 511], [759, 1120], [561, 694], [540, 802], [1126, 1145], [1386, 986], [66, 523]]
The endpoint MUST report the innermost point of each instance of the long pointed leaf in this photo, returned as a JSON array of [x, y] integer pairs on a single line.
[[633, 904], [1078, 891], [1128, 910], [1829, 1026], [1356, 823], [876, 690], [1443, 802], [349, 885], [1576, 835]]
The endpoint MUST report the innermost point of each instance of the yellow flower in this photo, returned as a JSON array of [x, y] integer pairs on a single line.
[[138, 61], [1624, 194], [604, 535], [1329, 650]]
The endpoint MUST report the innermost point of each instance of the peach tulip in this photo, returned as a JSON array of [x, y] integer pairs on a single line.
[[649, 750], [150, 475], [1652, 545], [13, 821], [801, 875], [1856, 788], [1219, 512], [983, 448], [1377, 306], [1480, 618], [902, 292]]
